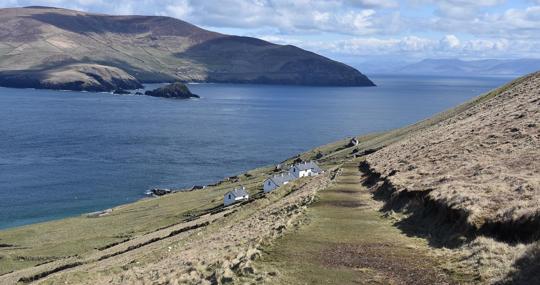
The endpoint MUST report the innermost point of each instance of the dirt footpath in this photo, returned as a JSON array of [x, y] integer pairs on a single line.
[[346, 241]]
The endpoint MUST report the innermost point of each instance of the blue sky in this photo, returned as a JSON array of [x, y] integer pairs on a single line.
[[354, 29]]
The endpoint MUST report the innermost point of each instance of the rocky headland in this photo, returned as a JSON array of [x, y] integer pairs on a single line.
[[76, 77], [43, 47]]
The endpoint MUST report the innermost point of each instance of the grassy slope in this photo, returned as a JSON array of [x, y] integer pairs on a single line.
[[39, 243], [346, 241], [44, 242]]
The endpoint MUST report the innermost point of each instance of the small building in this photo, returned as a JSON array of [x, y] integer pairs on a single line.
[[305, 169], [235, 196], [276, 181]]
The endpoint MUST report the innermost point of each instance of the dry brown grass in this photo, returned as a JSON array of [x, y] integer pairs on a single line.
[[481, 168], [484, 161]]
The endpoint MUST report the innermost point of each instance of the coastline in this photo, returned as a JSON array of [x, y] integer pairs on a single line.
[[193, 218], [128, 192]]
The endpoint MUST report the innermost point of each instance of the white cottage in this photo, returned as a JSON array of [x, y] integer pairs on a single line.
[[237, 195], [305, 169], [276, 181]]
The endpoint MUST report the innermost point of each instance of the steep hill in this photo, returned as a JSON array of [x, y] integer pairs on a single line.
[[473, 180], [482, 163], [36, 40]]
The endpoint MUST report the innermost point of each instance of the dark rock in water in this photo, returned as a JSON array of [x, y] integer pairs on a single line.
[[175, 90], [138, 93], [233, 179], [160, 192], [197, 187], [121, 92]]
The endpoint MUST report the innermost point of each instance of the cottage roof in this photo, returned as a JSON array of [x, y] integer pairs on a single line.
[[238, 192], [280, 179], [308, 165]]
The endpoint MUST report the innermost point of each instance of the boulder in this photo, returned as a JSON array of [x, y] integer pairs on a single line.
[[175, 90], [160, 192], [121, 92]]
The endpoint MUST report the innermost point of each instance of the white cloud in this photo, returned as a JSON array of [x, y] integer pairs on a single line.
[[304, 16], [125, 8], [450, 41], [375, 3], [180, 9], [429, 27], [419, 47], [510, 24]]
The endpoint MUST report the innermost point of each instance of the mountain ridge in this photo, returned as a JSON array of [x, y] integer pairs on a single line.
[[155, 49], [454, 66]]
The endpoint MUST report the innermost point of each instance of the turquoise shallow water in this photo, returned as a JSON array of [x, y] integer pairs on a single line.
[[67, 153]]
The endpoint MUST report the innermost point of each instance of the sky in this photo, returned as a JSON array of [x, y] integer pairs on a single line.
[[354, 30]]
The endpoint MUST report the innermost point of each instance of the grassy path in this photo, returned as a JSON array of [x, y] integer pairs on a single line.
[[346, 241]]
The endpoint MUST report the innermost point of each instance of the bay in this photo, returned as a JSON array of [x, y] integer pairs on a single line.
[[66, 153]]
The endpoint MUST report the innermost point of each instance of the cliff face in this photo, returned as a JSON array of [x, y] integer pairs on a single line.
[[37, 40]]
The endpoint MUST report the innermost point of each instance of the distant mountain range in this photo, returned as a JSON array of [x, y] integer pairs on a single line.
[[457, 67], [43, 47]]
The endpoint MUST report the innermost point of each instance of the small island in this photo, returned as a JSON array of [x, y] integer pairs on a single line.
[[175, 90]]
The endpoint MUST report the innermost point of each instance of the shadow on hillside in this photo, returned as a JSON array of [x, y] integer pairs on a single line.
[[101, 24], [438, 228], [439, 223], [527, 269]]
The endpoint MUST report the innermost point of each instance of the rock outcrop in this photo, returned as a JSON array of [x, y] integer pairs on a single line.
[[175, 90]]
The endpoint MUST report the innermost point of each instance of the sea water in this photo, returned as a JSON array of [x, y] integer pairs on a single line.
[[67, 153]]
